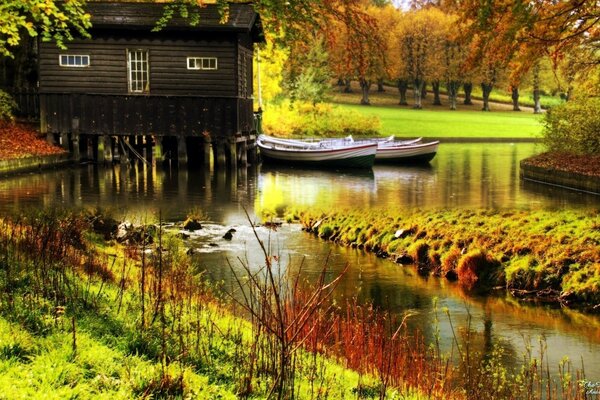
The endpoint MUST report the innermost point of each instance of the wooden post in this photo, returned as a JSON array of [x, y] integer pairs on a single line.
[[243, 151], [158, 149], [252, 149], [219, 153], [148, 148], [99, 145], [107, 147], [182, 156], [74, 138], [206, 151], [232, 152], [92, 147]]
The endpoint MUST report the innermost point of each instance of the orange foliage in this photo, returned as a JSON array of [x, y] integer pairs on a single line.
[[21, 141]]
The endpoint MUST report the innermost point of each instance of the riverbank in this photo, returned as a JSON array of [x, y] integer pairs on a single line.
[[542, 256], [22, 149], [562, 169], [93, 308], [90, 308]]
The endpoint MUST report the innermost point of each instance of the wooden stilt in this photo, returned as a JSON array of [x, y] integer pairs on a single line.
[[252, 150], [243, 152], [206, 151], [158, 149], [182, 155], [92, 147], [232, 152], [107, 142], [219, 152]]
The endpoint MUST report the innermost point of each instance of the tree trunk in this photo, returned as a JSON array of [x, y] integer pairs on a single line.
[[424, 90], [380, 87], [418, 90], [515, 97], [340, 82], [435, 85], [402, 88], [347, 87], [3, 75], [569, 93], [486, 88], [468, 88], [537, 107], [365, 86], [452, 93]]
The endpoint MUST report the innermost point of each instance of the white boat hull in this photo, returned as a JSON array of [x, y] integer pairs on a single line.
[[348, 156], [419, 152]]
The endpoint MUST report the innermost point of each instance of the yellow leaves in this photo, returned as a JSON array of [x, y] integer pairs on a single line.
[[273, 60], [52, 19], [420, 43]]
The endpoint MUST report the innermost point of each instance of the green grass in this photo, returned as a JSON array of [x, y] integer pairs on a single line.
[[552, 251], [208, 347], [525, 98], [443, 123]]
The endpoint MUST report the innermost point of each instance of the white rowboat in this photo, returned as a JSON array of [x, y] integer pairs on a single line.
[[317, 154], [389, 150]]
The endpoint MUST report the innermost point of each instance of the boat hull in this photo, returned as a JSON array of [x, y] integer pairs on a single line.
[[418, 153], [362, 156]]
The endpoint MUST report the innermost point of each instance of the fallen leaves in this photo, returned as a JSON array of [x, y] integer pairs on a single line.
[[579, 164], [22, 141]]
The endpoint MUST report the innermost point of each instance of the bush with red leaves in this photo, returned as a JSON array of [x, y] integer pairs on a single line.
[[580, 164]]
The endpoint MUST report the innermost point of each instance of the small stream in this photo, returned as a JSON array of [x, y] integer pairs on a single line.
[[461, 176]]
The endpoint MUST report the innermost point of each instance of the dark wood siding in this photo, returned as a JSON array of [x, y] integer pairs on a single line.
[[145, 115], [107, 73]]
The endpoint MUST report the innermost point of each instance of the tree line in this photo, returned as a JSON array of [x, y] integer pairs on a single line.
[[457, 44], [454, 44]]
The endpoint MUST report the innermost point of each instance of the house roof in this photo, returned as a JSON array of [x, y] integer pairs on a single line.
[[144, 16]]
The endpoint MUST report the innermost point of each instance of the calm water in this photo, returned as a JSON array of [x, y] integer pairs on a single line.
[[461, 175]]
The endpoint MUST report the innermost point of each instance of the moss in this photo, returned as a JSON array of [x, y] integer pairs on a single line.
[[535, 247]]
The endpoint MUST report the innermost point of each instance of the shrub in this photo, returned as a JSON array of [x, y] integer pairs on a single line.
[[321, 120], [7, 107], [419, 252], [476, 269], [450, 262], [574, 127]]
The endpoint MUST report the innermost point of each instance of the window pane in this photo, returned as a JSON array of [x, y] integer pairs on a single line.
[[138, 71]]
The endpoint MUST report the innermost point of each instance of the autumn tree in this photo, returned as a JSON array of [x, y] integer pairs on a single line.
[[420, 36], [453, 58], [48, 19]]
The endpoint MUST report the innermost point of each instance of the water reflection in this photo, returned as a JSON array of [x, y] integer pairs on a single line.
[[439, 304], [461, 175]]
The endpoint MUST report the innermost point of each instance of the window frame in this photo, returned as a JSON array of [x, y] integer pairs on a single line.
[[75, 56], [138, 76], [199, 63]]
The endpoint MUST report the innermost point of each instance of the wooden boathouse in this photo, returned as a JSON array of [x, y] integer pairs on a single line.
[[185, 89]]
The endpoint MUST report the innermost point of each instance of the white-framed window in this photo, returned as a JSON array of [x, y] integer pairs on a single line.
[[138, 67], [205, 63], [74, 60]]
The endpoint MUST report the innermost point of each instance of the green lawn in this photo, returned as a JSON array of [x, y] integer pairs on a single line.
[[443, 123]]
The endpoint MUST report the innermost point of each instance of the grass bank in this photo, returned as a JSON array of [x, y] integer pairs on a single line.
[[545, 256], [467, 122], [442, 123], [89, 310]]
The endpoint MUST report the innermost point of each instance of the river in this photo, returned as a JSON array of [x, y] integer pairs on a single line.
[[462, 175]]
